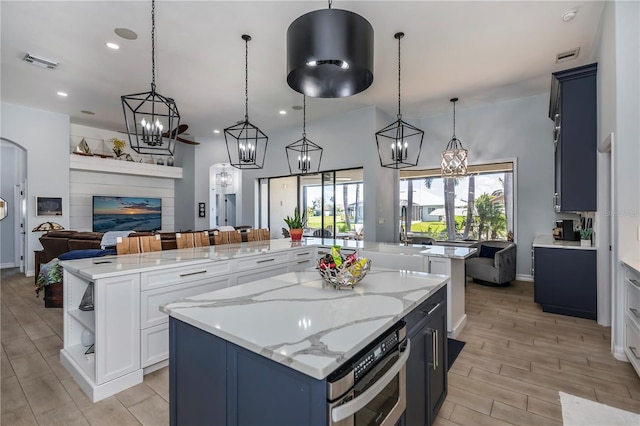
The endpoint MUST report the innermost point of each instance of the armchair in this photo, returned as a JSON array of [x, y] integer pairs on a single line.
[[493, 264]]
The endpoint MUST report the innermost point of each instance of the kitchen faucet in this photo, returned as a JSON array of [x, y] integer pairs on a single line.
[[404, 238]]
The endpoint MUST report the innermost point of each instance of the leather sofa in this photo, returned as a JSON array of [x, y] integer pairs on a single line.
[[493, 264]]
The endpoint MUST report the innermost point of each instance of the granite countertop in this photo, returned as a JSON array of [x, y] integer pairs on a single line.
[[299, 321], [547, 241], [101, 267]]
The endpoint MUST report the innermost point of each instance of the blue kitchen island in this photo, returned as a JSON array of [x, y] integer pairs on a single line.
[[266, 352]]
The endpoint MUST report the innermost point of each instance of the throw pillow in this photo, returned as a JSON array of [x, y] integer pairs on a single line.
[[85, 254], [488, 251]]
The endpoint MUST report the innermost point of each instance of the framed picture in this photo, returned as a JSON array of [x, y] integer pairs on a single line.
[[48, 206]]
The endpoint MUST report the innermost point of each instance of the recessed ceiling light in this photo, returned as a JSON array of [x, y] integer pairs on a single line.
[[63, 94], [84, 111], [126, 33], [283, 112], [113, 46], [569, 15], [216, 131]]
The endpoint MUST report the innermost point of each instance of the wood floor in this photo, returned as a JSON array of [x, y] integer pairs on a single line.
[[510, 371], [517, 358]]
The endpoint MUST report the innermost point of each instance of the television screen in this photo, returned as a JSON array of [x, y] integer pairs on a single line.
[[126, 213]]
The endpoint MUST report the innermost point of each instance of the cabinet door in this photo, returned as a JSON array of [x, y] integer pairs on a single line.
[[416, 413], [439, 265], [436, 368], [117, 336]]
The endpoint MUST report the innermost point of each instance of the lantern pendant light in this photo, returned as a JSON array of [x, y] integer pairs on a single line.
[[399, 143], [246, 143], [299, 153], [454, 157], [330, 53], [150, 117]]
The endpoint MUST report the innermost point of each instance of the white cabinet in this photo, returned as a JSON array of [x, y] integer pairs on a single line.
[[632, 316], [131, 334], [438, 265], [396, 261]]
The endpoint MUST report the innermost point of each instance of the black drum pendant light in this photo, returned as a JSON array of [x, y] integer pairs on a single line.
[[330, 53], [299, 153], [400, 143], [151, 118], [454, 157], [246, 144]]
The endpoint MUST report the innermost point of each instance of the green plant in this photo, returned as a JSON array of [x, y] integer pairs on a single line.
[[585, 234], [297, 221]]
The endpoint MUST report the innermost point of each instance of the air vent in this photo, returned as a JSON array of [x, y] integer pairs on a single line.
[[568, 55], [40, 62]]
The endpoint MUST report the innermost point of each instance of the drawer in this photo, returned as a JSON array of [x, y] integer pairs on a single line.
[[632, 300], [259, 273], [632, 345], [261, 261], [185, 274], [434, 302], [302, 254], [301, 265], [154, 345], [150, 300]]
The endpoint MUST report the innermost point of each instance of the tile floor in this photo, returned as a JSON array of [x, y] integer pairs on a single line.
[[515, 361]]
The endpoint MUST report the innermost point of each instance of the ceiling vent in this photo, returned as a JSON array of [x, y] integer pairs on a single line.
[[568, 55], [40, 62]]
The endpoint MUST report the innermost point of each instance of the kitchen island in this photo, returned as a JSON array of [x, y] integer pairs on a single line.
[[132, 335], [261, 352]]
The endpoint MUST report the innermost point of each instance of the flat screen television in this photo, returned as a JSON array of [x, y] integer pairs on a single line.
[[126, 213]]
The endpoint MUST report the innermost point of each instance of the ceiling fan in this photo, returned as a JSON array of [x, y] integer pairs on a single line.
[[177, 132]]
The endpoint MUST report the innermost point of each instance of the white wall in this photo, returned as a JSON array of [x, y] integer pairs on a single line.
[[45, 137], [619, 113], [518, 129]]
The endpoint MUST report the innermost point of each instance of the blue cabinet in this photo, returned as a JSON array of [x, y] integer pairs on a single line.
[[566, 281], [573, 110], [427, 364]]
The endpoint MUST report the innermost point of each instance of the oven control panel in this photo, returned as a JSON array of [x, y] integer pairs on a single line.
[[371, 358]]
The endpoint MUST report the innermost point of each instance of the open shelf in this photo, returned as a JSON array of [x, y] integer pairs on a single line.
[[86, 318], [110, 165], [87, 365]]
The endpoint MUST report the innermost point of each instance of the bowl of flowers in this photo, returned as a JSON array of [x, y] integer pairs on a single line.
[[343, 271]]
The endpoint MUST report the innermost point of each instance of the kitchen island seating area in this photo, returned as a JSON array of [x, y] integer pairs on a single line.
[[131, 334]]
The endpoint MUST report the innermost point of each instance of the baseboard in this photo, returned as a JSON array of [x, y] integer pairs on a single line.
[[619, 354], [522, 277], [8, 265]]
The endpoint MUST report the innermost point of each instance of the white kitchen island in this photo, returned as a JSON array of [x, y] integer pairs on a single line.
[[131, 334]]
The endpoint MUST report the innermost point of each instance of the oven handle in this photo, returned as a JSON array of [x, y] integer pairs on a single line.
[[343, 411]]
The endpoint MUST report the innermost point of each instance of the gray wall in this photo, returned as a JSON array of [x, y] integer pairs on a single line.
[[8, 179], [186, 208], [47, 148], [517, 129]]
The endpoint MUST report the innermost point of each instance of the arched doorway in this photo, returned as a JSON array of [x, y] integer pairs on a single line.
[[13, 184]]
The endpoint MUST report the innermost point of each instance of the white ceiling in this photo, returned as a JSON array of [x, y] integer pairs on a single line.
[[479, 51]]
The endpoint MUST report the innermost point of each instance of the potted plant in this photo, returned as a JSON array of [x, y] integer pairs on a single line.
[[296, 224], [585, 237]]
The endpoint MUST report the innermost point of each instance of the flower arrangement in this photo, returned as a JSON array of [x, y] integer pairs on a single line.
[[118, 145]]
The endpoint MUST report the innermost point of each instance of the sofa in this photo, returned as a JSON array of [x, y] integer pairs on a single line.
[[494, 263]]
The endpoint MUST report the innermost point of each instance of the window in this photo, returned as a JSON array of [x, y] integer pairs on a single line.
[[479, 206], [333, 202]]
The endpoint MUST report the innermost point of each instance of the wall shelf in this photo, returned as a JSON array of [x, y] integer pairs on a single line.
[[111, 165]]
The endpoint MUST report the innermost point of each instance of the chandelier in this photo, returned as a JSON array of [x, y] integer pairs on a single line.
[[454, 157], [250, 146], [330, 53], [399, 143], [224, 179], [150, 117], [300, 151]]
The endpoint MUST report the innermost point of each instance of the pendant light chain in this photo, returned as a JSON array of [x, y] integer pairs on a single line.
[[330, 4], [304, 116], [454, 119], [398, 36], [153, 45], [246, 78]]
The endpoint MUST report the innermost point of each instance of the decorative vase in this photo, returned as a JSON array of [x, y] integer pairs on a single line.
[[170, 161], [585, 243], [87, 338], [296, 234]]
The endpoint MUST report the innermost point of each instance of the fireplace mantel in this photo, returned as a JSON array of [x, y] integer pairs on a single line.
[[111, 165]]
